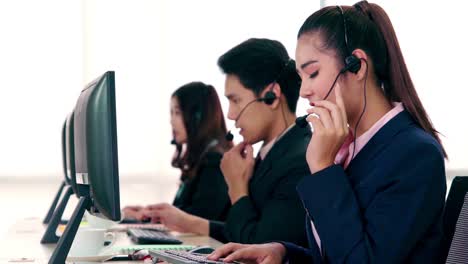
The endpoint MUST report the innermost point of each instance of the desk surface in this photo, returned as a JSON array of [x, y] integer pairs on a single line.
[[22, 241]]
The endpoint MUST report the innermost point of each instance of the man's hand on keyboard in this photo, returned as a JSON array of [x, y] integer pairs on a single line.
[[133, 212], [170, 216], [271, 253]]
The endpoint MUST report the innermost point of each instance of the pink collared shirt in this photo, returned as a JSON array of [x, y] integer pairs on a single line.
[[345, 154]]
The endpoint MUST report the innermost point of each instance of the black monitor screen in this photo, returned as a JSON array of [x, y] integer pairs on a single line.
[[95, 138]]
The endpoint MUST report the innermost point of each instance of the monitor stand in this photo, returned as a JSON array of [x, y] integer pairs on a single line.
[[54, 204], [64, 244], [50, 235]]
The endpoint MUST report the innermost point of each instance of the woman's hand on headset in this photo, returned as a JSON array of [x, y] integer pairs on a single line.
[[330, 125]]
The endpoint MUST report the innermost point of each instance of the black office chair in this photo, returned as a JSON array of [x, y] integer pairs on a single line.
[[453, 206], [459, 247]]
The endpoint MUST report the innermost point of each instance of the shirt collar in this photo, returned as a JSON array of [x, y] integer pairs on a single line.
[[345, 154], [266, 148]]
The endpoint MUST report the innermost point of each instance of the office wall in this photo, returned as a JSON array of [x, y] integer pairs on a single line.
[[433, 40], [41, 50], [51, 48]]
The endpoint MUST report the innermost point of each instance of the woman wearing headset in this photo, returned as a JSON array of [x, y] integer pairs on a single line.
[[199, 131], [377, 186]]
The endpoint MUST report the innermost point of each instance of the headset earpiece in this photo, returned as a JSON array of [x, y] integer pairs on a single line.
[[269, 98], [197, 116], [352, 64]]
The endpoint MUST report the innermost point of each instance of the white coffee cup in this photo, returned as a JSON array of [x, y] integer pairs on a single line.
[[98, 222], [90, 242]]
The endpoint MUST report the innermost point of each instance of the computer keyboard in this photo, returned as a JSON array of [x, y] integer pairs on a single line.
[[143, 236], [183, 257], [125, 227]]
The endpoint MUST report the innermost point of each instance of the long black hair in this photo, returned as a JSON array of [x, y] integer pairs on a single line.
[[204, 122]]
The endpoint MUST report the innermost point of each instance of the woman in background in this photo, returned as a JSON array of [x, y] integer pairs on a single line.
[[199, 130]]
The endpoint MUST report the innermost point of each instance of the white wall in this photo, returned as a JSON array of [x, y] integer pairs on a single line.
[[40, 78], [51, 48], [432, 35]]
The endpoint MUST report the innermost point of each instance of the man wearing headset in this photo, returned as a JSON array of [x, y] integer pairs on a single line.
[[262, 87]]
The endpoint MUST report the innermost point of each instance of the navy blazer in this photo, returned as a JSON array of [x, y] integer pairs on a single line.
[[386, 207], [273, 210]]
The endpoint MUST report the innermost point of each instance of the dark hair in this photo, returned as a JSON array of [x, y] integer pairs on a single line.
[[369, 28], [260, 62], [204, 122]]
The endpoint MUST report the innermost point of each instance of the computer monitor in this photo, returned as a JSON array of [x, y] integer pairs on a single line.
[[67, 188], [96, 159], [64, 183]]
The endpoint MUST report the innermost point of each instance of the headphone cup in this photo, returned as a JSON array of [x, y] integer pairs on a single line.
[[198, 117], [352, 64], [269, 98]]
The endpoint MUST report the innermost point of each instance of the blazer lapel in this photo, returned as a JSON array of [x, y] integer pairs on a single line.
[[262, 169], [278, 151], [378, 141]]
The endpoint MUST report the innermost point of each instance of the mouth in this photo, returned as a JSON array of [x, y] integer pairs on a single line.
[[239, 127], [312, 100]]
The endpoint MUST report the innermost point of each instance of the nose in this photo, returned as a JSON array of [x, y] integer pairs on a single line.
[[172, 121], [232, 115], [305, 90]]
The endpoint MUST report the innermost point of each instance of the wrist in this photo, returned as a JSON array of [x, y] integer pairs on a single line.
[[316, 166], [198, 225], [278, 247], [236, 194]]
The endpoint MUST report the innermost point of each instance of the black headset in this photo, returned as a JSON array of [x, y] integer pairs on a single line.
[[268, 99], [197, 115], [352, 64], [198, 110]]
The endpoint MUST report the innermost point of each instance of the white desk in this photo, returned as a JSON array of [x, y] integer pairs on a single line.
[[22, 241]]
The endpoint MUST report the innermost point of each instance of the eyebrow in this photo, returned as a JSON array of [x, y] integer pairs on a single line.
[[308, 63]]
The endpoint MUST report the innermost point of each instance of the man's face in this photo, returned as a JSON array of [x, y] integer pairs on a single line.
[[254, 120]]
